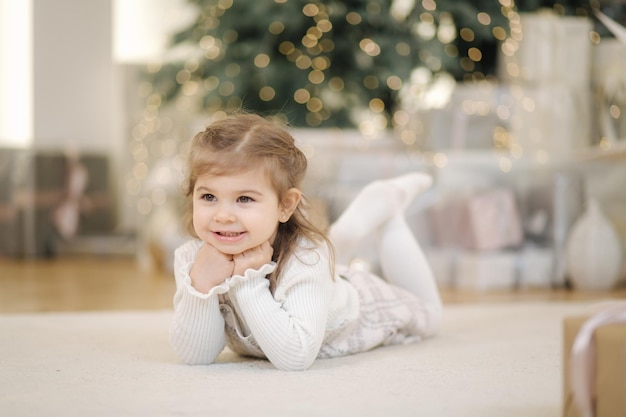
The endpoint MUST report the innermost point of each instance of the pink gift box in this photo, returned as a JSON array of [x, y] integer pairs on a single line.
[[488, 220]]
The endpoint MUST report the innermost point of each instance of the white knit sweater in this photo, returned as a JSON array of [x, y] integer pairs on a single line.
[[287, 327]]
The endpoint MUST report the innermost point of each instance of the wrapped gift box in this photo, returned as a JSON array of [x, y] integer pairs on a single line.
[[536, 267], [608, 79], [442, 263], [486, 220], [486, 271], [468, 120], [548, 72], [97, 206], [10, 162], [552, 119], [553, 49], [39, 191], [493, 219], [445, 222], [37, 186], [608, 388]]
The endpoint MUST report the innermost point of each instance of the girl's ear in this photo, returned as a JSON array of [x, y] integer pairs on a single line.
[[289, 204]]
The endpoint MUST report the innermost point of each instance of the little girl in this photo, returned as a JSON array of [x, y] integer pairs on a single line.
[[260, 277]]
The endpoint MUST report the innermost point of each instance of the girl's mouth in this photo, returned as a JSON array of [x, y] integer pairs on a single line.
[[229, 234], [229, 237]]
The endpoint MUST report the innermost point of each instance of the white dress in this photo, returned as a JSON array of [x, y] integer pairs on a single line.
[[310, 315]]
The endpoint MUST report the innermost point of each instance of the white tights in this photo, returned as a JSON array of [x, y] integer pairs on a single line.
[[378, 210]]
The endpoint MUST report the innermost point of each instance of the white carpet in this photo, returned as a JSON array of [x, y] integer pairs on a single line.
[[489, 360]]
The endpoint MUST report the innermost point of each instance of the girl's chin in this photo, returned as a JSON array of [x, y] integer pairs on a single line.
[[231, 252], [230, 249]]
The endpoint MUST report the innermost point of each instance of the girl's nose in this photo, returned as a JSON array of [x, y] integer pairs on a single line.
[[224, 214]]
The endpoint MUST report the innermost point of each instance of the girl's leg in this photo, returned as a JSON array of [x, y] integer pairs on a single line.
[[379, 208], [404, 264], [372, 207]]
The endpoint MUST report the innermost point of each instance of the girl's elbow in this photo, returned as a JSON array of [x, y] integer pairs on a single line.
[[295, 361], [191, 354], [195, 359], [191, 350], [294, 366], [197, 362]]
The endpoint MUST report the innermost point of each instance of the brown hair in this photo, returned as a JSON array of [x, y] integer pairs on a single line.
[[239, 142]]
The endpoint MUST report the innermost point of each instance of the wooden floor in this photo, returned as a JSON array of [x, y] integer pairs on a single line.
[[118, 283], [80, 284]]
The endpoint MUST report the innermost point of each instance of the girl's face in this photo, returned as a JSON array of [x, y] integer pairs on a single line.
[[237, 212]]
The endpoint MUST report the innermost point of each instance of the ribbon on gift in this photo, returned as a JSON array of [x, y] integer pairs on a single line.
[[66, 217], [582, 363], [615, 28], [613, 87]]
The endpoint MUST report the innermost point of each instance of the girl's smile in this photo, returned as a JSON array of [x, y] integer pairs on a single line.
[[229, 237]]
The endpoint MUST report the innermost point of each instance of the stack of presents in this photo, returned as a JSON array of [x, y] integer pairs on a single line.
[[48, 199], [503, 218]]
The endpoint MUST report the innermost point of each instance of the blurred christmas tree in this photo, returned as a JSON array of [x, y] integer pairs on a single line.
[[326, 63], [331, 62]]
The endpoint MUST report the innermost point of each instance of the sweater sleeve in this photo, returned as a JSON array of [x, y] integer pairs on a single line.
[[289, 327], [197, 332]]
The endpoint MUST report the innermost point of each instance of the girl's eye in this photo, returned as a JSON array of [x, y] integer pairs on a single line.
[[207, 197], [245, 199]]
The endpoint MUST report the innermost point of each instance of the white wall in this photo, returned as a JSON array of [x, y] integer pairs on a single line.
[[73, 75], [16, 73], [142, 28], [57, 81]]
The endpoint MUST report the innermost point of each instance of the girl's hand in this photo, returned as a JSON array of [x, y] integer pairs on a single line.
[[253, 258], [210, 268]]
